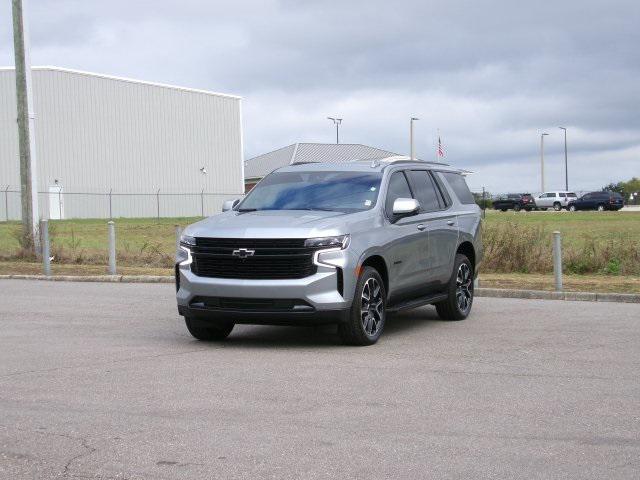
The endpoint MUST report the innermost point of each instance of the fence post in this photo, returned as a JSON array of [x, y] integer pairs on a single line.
[[46, 249], [557, 260], [110, 205], [158, 203], [6, 202], [112, 247], [178, 235]]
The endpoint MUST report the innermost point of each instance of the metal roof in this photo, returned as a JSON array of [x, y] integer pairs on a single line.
[[261, 165], [124, 79]]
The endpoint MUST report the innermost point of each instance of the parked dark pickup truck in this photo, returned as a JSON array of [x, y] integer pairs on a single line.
[[515, 201]]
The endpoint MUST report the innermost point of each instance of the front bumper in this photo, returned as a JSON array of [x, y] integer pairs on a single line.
[[319, 292]]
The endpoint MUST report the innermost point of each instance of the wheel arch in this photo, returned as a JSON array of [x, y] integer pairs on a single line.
[[466, 248], [377, 261]]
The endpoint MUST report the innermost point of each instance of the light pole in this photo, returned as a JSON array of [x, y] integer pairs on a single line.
[[566, 168], [542, 135], [337, 122], [413, 149]]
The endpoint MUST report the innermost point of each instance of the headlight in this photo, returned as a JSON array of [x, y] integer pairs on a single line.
[[339, 241], [187, 240]]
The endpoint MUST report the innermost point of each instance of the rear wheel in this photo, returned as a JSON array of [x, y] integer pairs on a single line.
[[208, 333], [557, 207], [368, 311], [572, 208], [458, 304]]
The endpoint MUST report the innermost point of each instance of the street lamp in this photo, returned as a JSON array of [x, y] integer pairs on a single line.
[[542, 135], [337, 122], [413, 150], [566, 169]]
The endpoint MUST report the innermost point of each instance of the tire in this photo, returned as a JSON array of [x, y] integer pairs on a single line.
[[211, 333], [601, 208], [460, 291], [516, 208], [557, 207], [572, 208], [503, 209], [367, 317]]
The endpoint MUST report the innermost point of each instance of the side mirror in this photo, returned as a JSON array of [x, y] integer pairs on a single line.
[[230, 204], [405, 206]]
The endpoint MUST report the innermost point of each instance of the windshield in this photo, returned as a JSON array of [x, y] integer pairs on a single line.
[[333, 191]]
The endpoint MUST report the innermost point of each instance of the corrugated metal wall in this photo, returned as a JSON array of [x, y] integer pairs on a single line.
[[95, 134]]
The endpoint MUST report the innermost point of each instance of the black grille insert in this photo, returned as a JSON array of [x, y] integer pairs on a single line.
[[251, 304], [259, 259]]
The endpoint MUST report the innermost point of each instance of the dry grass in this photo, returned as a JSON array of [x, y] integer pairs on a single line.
[[601, 243], [521, 248]]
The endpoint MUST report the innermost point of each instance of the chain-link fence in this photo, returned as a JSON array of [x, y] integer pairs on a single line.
[[62, 204]]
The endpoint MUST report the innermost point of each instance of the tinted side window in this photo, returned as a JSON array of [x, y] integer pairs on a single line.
[[459, 186], [398, 188], [563, 195], [425, 190]]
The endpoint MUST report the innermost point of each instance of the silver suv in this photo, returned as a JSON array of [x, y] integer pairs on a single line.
[[323, 243]]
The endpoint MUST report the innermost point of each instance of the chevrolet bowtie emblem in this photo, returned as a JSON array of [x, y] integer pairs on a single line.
[[243, 253]]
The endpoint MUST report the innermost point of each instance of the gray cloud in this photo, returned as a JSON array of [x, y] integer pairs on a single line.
[[491, 75]]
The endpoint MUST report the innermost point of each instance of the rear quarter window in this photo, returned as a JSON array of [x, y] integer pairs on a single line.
[[459, 187]]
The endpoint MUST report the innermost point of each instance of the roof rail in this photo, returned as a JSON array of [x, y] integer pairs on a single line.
[[402, 159]]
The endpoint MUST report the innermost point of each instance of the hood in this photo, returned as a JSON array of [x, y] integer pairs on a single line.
[[276, 224]]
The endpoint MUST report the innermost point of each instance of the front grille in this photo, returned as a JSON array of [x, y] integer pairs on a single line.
[[272, 258]]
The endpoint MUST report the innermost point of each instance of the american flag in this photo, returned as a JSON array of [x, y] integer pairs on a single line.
[[440, 150]]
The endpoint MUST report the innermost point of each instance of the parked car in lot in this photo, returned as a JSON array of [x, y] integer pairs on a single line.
[[598, 201], [555, 200], [343, 244], [514, 201]]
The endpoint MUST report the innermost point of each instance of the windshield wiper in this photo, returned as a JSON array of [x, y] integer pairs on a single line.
[[247, 210], [319, 209]]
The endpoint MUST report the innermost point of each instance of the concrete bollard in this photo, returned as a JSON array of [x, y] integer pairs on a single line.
[[46, 247], [178, 235], [557, 260], [112, 247]]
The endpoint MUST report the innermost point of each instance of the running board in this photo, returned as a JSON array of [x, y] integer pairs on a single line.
[[417, 302]]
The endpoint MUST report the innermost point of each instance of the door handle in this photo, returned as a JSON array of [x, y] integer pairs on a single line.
[[451, 223], [421, 227]]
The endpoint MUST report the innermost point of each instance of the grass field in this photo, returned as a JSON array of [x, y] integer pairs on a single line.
[[594, 243]]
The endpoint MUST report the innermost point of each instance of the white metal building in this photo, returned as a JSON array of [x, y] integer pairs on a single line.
[[157, 148]]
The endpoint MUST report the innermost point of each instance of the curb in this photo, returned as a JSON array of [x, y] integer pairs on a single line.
[[95, 278], [480, 292], [569, 296]]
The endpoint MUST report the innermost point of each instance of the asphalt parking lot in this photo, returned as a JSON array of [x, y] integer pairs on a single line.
[[103, 381]]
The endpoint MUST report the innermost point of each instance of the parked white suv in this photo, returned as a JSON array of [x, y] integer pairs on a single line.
[[555, 200]]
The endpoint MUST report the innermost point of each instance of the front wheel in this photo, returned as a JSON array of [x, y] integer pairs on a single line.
[[208, 333], [572, 208], [458, 304], [516, 208], [601, 208], [368, 312], [557, 207]]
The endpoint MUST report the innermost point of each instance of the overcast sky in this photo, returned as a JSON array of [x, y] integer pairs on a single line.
[[491, 75]]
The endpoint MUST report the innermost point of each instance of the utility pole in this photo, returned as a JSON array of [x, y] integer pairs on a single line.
[[26, 130], [542, 135], [337, 122], [566, 168], [411, 141]]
